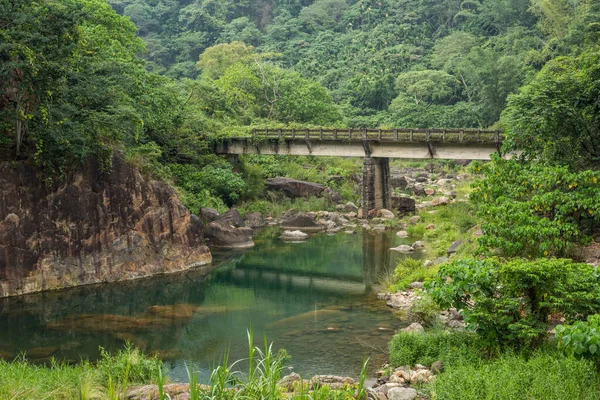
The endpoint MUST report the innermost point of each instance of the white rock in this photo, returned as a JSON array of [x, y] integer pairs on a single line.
[[402, 234], [398, 393], [387, 214], [403, 248], [415, 327], [293, 236]]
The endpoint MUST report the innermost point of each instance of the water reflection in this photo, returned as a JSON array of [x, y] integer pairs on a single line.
[[315, 299]]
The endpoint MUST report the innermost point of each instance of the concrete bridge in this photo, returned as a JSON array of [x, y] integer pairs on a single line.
[[376, 146]]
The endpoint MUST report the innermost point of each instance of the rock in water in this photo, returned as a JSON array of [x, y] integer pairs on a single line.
[[293, 236], [302, 221], [221, 234], [94, 226], [403, 248]]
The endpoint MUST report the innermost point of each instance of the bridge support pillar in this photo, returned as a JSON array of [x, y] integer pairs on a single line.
[[376, 190]]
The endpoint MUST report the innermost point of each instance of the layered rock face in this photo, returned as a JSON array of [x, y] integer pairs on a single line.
[[92, 227]]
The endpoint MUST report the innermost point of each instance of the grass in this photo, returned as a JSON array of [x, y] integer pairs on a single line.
[[108, 379], [410, 270], [543, 376], [434, 345]]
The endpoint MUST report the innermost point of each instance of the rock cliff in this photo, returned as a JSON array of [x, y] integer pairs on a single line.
[[91, 227]]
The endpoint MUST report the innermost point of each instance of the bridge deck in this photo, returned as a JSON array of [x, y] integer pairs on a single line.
[[386, 135], [387, 143]]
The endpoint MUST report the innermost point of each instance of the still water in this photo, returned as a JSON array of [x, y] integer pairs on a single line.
[[315, 299]]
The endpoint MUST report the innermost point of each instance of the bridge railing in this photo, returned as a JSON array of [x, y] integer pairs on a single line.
[[388, 135]]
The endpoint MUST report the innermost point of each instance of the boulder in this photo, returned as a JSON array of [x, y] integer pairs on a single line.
[[418, 190], [232, 217], [254, 220], [418, 244], [402, 234], [221, 234], [208, 215], [421, 179], [415, 327], [387, 214], [440, 201], [416, 285], [429, 191], [295, 188], [455, 245], [350, 207], [398, 182], [437, 367], [288, 382], [301, 221], [334, 382], [414, 219], [293, 236], [403, 248], [401, 393], [403, 204], [331, 195]]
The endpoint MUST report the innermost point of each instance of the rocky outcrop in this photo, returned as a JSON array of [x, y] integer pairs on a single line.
[[221, 233], [295, 188], [301, 222], [93, 226]]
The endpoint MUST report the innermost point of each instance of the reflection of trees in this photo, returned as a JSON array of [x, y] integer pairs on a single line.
[[376, 255]]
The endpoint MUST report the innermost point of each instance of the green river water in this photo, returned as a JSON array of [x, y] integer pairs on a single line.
[[315, 299]]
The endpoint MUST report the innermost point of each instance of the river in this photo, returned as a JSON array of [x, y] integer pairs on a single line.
[[315, 299]]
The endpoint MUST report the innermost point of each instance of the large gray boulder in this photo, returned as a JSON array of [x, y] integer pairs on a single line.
[[233, 217], [222, 234], [295, 188], [293, 236], [208, 215], [301, 222]]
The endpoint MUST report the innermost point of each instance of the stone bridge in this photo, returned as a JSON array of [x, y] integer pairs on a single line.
[[376, 146]]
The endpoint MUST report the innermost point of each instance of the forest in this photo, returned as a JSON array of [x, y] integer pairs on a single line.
[[160, 79]]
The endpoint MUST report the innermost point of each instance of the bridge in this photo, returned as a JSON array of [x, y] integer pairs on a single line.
[[376, 146]]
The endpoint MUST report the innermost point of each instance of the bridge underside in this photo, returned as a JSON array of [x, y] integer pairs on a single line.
[[369, 148], [376, 190]]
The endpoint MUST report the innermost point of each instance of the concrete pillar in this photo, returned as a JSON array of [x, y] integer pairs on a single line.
[[376, 190]]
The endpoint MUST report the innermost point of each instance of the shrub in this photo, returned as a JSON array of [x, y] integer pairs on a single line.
[[509, 303], [511, 376], [532, 210], [425, 348], [581, 339]]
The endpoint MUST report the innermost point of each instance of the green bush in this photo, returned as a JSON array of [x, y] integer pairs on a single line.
[[581, 339], [514, 377], [533, 210], [425, 348], [508, 304]]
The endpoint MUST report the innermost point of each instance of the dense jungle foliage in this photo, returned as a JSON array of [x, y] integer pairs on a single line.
[[159, 79]]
